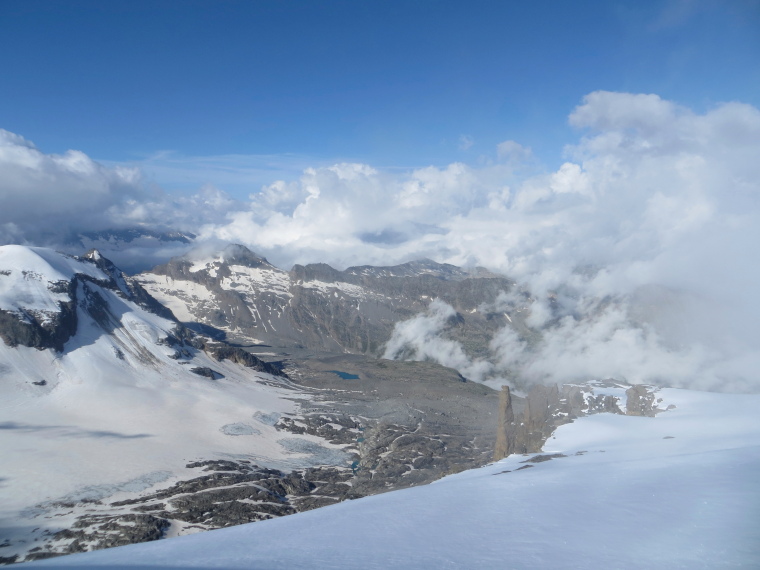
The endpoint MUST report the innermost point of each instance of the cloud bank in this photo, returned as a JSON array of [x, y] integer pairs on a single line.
[[639, 252], [51, 200]]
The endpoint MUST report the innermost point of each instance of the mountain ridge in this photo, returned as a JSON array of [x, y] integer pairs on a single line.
[[317, 306]]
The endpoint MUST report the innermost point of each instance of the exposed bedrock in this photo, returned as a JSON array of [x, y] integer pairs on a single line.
[[548, 407], [37, 330], [321, 308]]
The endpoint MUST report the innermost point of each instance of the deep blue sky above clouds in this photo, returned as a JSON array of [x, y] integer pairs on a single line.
[[392, 83]]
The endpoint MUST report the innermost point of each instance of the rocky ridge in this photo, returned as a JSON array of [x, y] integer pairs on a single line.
[[241, 295]]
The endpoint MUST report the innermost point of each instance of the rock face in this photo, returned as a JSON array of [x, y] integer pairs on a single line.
[[240, 294], [640, 402], [548, 407], [30, 328], [505, 431], [127, 286]]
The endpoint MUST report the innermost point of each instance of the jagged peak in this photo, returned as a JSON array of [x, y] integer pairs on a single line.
[[238, 253], [105, 265], [93, 254]]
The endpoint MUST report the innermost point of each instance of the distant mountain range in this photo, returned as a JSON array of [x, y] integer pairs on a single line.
[[243, 297]]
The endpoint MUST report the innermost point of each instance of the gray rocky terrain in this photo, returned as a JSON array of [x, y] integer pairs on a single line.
[[239, 295], [398, 424]]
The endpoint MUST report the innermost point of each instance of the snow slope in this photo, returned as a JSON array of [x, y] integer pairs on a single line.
[[676, 491], [118, 411], [27, 273]]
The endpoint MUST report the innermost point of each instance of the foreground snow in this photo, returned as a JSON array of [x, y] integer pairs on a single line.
[[676, 491]]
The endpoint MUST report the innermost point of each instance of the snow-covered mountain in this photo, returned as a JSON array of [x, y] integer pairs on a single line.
[[103, 395], [678, 490], [242, 295]]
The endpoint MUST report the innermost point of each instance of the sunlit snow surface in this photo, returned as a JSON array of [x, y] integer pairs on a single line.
[[27, 273], [676, 491], [117, 411]]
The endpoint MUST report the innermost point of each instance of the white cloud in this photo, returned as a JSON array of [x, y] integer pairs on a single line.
[[466, 142], [39, 191], [49, 199], [513, 152], [646, 183], [651, 193], [420, 338]]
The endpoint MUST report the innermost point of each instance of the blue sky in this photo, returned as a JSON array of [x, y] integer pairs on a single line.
[[392, 83]]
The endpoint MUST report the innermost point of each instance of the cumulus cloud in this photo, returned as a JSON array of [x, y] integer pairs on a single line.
[[606, 343], [39, 191], [600, 340], [60, 200], [646, 176], [650, 194]]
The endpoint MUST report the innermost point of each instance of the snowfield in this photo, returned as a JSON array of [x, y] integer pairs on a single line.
[[118, 411], [27, 273], [676, 491]]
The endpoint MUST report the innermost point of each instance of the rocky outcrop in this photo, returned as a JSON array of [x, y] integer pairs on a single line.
[[41, 330], [244, 358], [506, 429], [542, 415], [640, 402], [206, 372], [545, 409]]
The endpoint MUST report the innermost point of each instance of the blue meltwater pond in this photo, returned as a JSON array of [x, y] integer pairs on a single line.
[[345, 375]]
